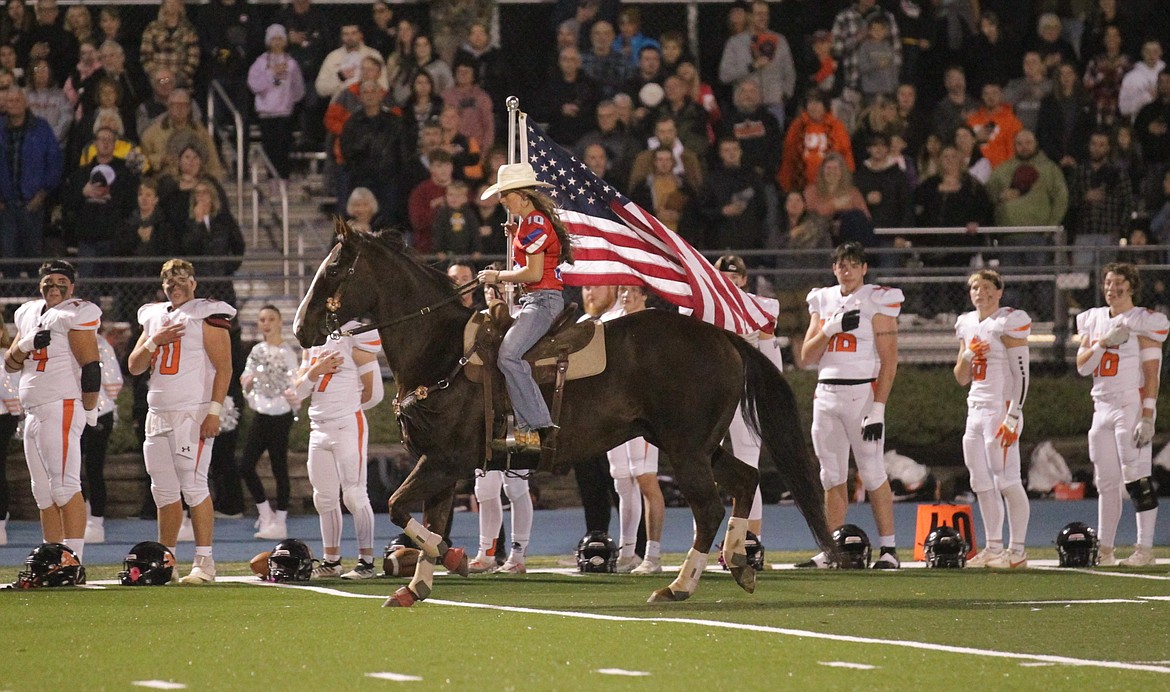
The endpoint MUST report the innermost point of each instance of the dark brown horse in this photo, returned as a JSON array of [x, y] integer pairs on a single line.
[[669, 378]]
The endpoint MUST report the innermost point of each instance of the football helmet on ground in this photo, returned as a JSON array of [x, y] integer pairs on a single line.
[[853, 547], [291, 560], [148, 563], [1076, 545], [596, 552], [944, 547], [51, 564]]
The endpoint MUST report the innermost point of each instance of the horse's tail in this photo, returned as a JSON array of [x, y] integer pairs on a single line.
[[770, 412]]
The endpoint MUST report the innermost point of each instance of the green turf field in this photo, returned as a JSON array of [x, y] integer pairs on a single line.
[[935, 629]]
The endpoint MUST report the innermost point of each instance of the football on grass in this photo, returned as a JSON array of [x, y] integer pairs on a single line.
[[400, 562], [259, 564]]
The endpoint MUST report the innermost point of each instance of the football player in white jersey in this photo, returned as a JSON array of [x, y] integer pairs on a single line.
[[993, 359], [744, 444], [343, 380], [55, 350], [634, 469], [185, 345], [1121, 347], [853, 338]]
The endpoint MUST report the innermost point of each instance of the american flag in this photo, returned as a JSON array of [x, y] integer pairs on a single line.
[[617, 243]]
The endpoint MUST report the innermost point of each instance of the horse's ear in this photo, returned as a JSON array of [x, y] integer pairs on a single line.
[[340, 228]]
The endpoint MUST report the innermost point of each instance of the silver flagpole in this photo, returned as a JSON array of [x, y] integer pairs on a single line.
[[513, 105]]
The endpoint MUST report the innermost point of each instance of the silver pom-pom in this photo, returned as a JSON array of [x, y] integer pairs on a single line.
[[229, 417]]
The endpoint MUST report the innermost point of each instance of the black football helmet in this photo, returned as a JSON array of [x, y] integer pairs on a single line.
[[51, 564], [596, 552], [291, 560], [944, 547], [1076, 545], [148, 563], [400, 541], [755, 552], [852, 546]]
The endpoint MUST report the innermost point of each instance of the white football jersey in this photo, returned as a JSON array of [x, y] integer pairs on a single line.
[[181, 375], [1120, 368], [53, 373], [340, 394], [853, 355], [991, 374]]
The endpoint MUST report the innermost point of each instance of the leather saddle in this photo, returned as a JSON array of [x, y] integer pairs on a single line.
[[570, 350], [582, 344]]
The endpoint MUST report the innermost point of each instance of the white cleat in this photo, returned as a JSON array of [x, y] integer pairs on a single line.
[[364, 570], [1106, 557], [627, 564], [512, 567], [1141, 557], [648, 566], [203, 572], [327, 570], [275, 530], [482, 564], [983, 557], [1009, 559]]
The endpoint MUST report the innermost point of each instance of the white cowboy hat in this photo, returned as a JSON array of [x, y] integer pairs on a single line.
[[513, 176]]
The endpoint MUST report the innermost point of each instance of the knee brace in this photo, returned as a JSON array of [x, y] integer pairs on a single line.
[[195, 496], [515, 488], [355, 498], [1143, 495], [164, 496], [872, 475], [62, 494], [487, 486], [325, 503]]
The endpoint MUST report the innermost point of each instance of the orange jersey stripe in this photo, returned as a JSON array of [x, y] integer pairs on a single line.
[[361, 421], [90, 324], [198, 455], [66, 423]]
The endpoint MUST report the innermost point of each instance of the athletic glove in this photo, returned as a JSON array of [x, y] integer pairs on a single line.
[[1144, 432], [1116, 336], [874, 423], [842, 322], [91, 417], [32, 342], [1009, 429], [977, 348]]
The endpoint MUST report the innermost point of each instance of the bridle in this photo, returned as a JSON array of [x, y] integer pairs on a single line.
[[333, 305]]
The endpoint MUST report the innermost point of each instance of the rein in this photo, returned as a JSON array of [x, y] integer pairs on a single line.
[[333, 304]]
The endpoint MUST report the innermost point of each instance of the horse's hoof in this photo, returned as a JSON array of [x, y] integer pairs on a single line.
[[455, 560], [402, 598], [745, 577], [667, 594]]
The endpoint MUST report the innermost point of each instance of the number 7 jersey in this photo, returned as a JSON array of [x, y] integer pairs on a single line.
[[340, 394], [181, 374], [1120, 369]]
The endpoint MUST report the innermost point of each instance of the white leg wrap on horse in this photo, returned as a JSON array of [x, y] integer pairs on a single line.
[[733, 542], [692, 568], [424, 577], [427, 540]]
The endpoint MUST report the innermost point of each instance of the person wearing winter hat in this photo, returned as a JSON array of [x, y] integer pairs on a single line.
[[276, 80]]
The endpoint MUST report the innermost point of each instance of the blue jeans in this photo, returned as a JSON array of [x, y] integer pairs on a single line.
[[538, 310]]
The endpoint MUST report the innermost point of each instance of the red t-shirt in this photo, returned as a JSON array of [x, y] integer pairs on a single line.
[[534, 236]]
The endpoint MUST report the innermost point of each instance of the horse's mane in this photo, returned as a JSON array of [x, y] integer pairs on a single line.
[[393, 242]]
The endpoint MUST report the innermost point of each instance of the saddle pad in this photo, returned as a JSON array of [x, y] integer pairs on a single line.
[[586, 362]]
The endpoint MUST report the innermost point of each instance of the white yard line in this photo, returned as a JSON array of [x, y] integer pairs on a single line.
[[784, 631]]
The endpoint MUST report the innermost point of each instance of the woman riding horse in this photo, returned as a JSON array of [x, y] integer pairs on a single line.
[[538, 246], [680, 399]]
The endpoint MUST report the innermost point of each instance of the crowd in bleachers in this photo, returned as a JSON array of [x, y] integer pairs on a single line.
[[817, 122]]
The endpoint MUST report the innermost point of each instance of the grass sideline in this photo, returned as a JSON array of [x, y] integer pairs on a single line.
[[945, 629]]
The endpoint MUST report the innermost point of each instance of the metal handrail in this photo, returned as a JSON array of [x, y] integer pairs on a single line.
[[261, 157], [216, 89]]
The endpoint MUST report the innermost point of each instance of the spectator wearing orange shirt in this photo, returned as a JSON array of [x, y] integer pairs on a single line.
[[995, 125], [812, 135]]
